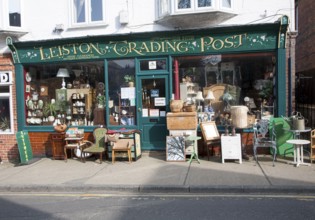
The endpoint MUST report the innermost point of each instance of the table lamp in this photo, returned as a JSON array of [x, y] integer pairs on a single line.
[[63, 72], [210, 97], [199, 98]]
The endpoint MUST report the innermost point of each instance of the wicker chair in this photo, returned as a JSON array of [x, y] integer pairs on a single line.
[[99, 145]]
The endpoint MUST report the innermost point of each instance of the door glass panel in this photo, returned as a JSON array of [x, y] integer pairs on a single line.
[[152, 65], [153, 98]]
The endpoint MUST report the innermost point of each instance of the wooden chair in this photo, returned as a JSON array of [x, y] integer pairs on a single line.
[[99, 145], [210, 135], [264, 138]]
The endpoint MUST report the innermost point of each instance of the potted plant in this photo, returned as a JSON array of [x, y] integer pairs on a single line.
[[4, 124], [50, 111], [130, 79], [101, 101]]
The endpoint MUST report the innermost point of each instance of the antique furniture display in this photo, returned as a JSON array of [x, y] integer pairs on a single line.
[[58, 142], [210, 135], [264, 138], [312, 155], [231, 147], [298, 151], [99, 145]]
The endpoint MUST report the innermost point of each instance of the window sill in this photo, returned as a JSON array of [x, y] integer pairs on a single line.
[[87, 26]]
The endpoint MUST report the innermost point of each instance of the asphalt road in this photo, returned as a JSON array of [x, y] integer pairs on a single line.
[[151, 207]]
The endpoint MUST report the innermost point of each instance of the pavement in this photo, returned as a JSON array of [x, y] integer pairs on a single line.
[[153, 174]]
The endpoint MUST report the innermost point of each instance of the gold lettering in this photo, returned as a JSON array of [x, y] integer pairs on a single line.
[[240, 40], [204, 43], [157, 45], [168, 44], [228, 43], [84, 48], [65, 50], [182, 47], [97, 49], [144, 47], [42, 54], [218, 42], [122, 50], [52, 52], [132, 47]]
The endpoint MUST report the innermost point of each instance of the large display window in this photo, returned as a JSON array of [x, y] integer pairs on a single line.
[[6, 110], [122, 92], [71, 93], [215, 83]]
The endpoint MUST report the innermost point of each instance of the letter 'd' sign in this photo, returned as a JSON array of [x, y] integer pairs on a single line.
[[5, 77]]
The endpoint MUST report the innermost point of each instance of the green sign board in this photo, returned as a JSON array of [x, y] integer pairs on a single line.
[[141, 45], [24, 146]]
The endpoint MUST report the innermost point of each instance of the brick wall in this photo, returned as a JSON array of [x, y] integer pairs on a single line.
[[8, 145], [305, 47]]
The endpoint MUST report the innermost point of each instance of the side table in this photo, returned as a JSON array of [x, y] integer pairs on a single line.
[[194, 153], [298, 151], [73, 143], [58, 142]]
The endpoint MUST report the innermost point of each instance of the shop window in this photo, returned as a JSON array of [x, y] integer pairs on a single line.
[[122, 93], [215, 83], [88, 12], [6, 112], [73, 93]]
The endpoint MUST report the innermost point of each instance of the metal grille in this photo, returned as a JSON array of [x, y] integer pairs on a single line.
[[305, 97]]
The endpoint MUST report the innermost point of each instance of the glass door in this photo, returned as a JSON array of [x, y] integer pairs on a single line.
[[153, 99]]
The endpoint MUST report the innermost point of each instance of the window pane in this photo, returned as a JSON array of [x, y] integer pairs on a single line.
[[226, 3], [204, 3], [79, 11], [96, 10], [82, 103], [15, 13], [122, 101], [5, 114], [152, 65], [184, 4]]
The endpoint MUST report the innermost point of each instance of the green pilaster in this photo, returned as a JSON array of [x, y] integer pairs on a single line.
[[281, 79], [20, 107]]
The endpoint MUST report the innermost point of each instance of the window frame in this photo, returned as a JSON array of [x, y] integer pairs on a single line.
[[9, 96], [88, 18], [5, 20]]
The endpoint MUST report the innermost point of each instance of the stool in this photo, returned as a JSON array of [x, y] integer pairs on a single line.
[[121, 145], [193, 154]]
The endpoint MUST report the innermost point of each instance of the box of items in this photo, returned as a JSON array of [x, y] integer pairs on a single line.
[[181, 120]]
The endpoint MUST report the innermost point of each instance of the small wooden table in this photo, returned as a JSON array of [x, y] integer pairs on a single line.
[[73, 143], [298, 151]]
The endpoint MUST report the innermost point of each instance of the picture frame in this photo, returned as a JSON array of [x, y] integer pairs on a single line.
[[175, 148], [43, 90], [209, 130], [28, 88], [61, 98]]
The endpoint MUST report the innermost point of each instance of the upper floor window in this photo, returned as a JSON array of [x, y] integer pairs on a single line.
[[226, 4], [87, 12], [15, 13]]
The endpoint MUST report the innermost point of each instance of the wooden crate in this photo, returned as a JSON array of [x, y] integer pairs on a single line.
[[181, 120]]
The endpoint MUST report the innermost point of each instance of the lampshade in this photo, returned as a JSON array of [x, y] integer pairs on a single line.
[[63, 72], [199, 96], [210, 96]]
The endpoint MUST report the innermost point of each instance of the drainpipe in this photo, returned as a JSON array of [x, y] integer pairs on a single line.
[[176, 79], [290, 85]]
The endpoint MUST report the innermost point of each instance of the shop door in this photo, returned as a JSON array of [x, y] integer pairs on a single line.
[[153, 102]]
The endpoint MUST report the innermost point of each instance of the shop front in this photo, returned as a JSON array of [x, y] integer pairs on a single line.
[[127, 81]]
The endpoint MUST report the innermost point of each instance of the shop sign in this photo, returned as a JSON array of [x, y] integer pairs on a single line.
[[5, 77], [176, 45]]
